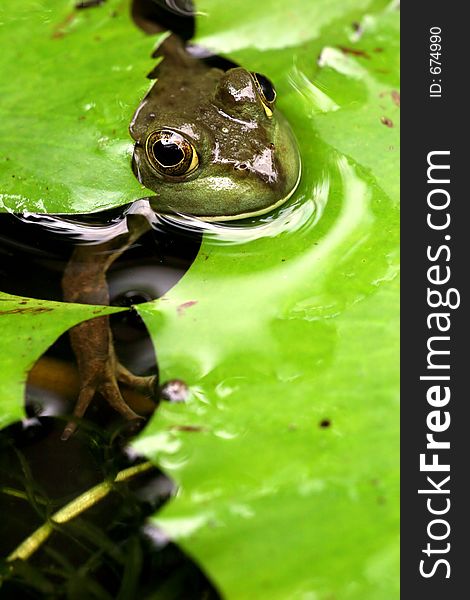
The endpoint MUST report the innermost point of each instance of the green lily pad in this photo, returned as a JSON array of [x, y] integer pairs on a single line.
[[278, 24], [28, 328], [71, 80]]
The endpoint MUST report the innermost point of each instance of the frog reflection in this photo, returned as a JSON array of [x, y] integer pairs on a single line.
[[210, 144]]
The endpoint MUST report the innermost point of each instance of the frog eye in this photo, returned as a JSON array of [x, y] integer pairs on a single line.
[[170, 154], [266, 91]]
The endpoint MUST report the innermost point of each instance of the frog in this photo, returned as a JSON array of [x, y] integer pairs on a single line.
[[209, 143]]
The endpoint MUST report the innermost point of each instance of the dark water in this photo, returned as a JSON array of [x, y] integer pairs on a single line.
[[109, 550], [106, 552]]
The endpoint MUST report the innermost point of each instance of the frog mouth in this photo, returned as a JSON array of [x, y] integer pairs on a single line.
[[255, 213]]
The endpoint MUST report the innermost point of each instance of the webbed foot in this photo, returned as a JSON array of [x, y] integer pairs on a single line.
[[101, 372]]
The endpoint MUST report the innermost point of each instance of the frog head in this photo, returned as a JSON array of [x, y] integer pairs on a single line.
[[212, 144]]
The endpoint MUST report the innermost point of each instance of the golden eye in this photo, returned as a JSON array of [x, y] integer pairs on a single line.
[[267, 92], [170, 154]]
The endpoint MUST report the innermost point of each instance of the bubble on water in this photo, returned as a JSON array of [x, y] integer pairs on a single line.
[[199, 395], [242, 510], [228, 386], [225, 434], [312, 486], [173, 463], [157, 444], [201, 496], [183, 527]]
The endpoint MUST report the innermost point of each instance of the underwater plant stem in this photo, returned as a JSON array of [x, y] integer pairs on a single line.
[[9, 491], [72, 510]]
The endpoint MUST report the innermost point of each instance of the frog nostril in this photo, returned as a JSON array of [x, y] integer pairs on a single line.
[[241, 166]]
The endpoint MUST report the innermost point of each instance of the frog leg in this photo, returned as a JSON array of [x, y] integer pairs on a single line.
[[84, 281], [148, 385], [173, 390]]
